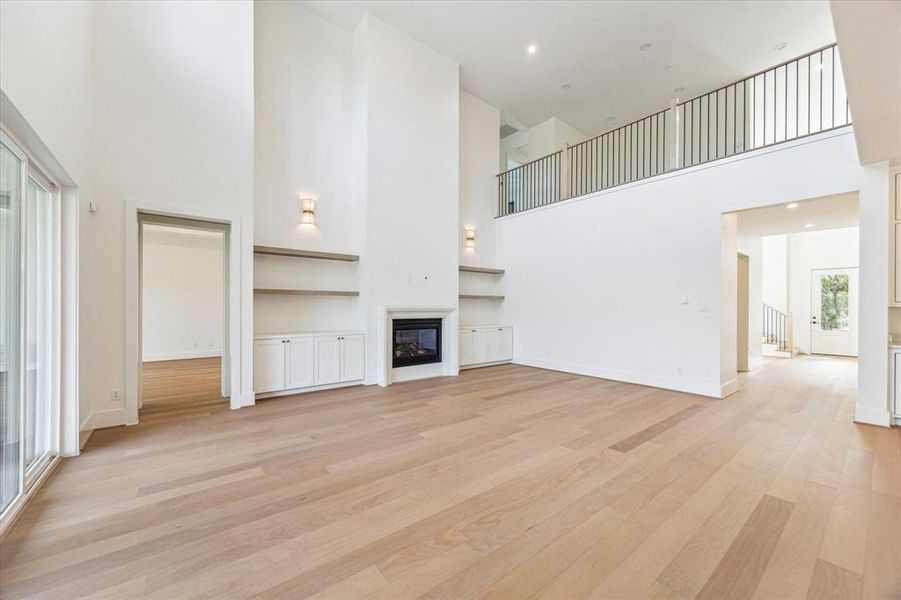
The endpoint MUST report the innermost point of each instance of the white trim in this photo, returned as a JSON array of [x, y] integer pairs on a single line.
[[238, 348], [729, 388], [872, 416], [487, 364], [307, 390], [185, 355], [712, 390]]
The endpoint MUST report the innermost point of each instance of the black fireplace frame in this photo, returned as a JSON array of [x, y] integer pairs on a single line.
[[406, 325]]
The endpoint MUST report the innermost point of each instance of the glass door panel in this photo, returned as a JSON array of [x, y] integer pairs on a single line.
[[39, 279], [10, 277]]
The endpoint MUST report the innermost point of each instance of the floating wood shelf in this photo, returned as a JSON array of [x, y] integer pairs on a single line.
[[480, 297], [283, 292], [275, 251], [487, 270]]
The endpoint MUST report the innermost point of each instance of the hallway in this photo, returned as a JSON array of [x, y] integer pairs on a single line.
[[507, 481]]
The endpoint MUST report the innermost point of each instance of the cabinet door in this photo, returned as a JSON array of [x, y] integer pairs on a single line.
[[328, 360], [505, 343], [301, 362], [896, 385], [481, 345], [466, 346], [897, 191], [268, 365], [897, 263], [353, 357]]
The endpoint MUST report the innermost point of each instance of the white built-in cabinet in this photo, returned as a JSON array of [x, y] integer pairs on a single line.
[[299, 361], [485, 344]]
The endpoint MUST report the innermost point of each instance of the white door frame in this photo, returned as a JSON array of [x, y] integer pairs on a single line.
[[239, 294], [853, 303]]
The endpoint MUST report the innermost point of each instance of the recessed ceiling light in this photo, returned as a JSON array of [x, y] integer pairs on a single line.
[[780, 46], [611, 118], [791, 205], [679, 90], [808, 225], [532, 49], [567, 86], [645, 47]]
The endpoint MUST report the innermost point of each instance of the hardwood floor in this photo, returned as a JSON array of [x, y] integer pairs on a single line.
[[173, 389], [507, 482]]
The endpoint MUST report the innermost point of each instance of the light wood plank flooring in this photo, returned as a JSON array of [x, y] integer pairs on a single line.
[[173, 389], [507, 482]]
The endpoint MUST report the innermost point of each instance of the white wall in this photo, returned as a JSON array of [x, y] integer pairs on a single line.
[[181, 293], [827, 249], [479, 143], [173, 91], [593, 284], [45, 70], [302, 129], [407, 130], [774, 291], [302, 144]]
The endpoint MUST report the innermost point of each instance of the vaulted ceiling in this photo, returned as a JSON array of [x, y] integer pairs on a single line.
[[595, 49]]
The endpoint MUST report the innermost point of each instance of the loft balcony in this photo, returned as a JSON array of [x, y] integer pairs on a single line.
[[797, 98]]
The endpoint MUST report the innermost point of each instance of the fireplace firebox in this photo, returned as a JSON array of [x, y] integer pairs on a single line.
[[415, 342]]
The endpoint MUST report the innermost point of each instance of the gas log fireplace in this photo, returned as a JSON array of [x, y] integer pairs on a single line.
[[415, 342]]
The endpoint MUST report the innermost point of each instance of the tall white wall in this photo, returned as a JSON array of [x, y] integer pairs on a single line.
[[407, 131], [302, 146], [827, 249], [45, 70], [593, 284], [173, 94], [775, 271], [302, 129], [182, 294]]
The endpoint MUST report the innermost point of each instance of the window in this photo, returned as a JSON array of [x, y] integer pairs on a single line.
[[29, 323], [834, 302]]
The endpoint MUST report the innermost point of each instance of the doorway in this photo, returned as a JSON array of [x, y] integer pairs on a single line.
[[183, 308], [833, 311]]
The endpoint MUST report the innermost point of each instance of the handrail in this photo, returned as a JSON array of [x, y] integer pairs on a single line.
[[526, 164], [771, 106], [775, 327]]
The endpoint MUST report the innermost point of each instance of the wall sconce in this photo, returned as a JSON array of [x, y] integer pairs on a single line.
[[470, 238], [307, 211]]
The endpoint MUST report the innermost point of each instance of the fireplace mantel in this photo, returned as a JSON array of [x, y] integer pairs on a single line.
[[449, 365]]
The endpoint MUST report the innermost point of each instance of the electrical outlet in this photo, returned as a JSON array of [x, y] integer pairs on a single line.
[[115, 395], [684, 299]]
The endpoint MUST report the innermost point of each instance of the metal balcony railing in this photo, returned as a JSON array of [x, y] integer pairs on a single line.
[[794, 99]]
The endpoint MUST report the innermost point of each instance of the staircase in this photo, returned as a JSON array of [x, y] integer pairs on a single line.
[[777, 332]]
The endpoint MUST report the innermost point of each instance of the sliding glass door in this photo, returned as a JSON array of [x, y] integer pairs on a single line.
[[11, 175], [29, 323]]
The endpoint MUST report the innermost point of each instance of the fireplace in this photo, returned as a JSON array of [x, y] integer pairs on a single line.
[[415, 342]]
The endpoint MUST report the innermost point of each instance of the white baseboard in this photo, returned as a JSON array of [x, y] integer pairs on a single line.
[[730, 387], [112, 417], [712, 390], [872, 416], [161, 356], [85, 431], [480, 365], [307, 390]]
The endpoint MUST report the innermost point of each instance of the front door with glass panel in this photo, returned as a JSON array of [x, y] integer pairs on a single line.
[[833, 312]]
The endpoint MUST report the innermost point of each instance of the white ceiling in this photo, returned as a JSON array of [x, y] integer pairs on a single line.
[[594, 47], [828, 212]]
